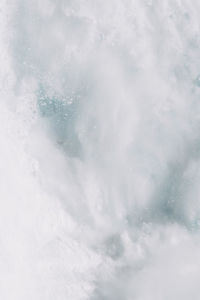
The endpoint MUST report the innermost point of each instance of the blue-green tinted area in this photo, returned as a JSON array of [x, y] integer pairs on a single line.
[[61, 113]]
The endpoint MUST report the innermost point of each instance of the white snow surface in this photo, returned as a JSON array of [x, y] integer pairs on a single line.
[[99, 149]]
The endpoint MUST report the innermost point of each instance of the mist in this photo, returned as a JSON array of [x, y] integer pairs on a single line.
[[99, 149]]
